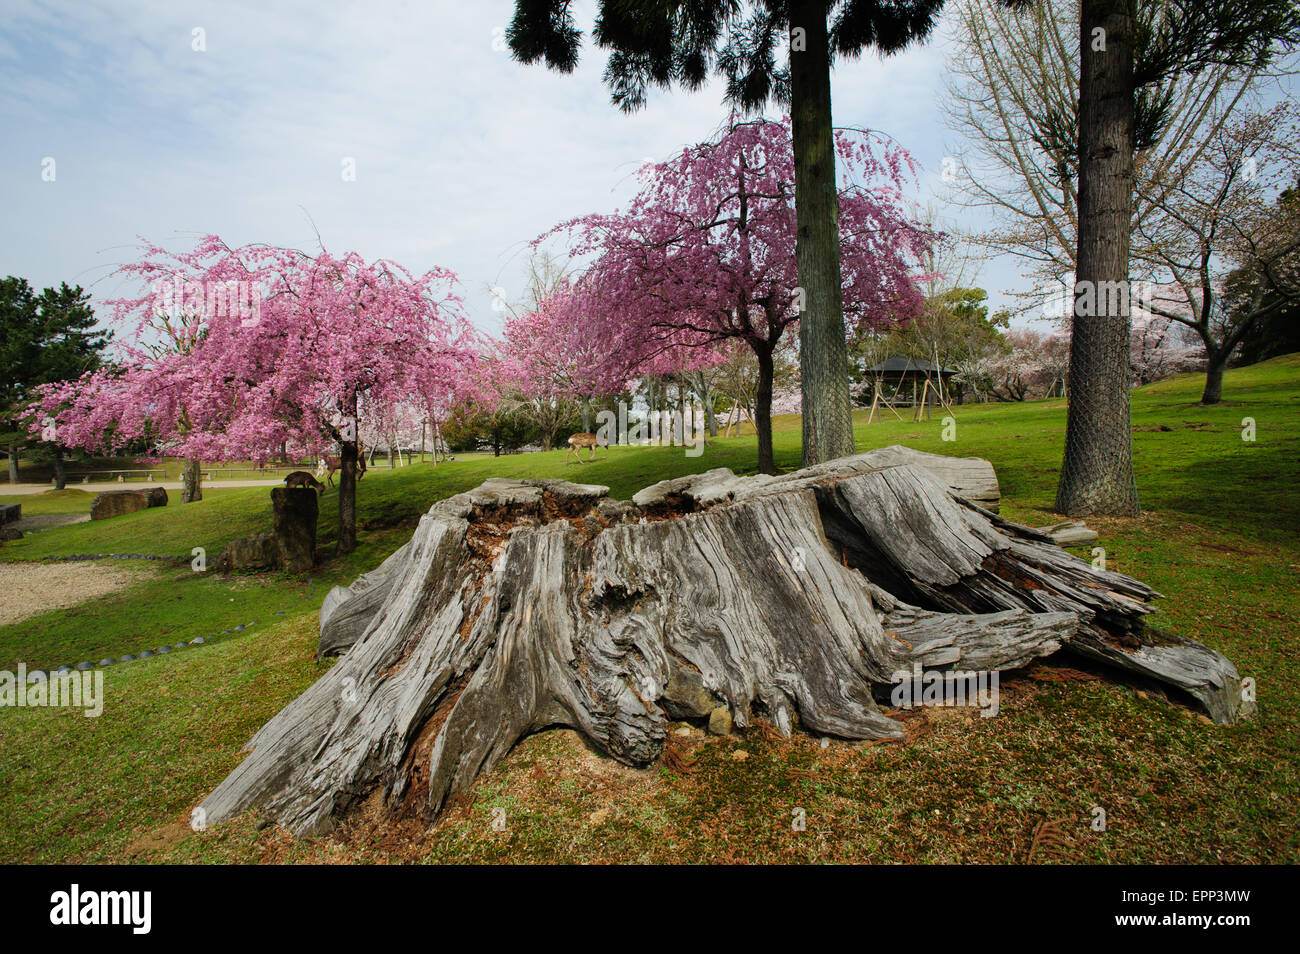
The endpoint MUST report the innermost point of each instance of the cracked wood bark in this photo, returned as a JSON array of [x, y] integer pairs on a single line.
[[527, 604]]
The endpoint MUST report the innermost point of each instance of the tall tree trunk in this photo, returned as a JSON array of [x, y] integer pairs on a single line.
[[192, 481], [13, 462], [1097, 473], [1216, 361], [348, 490], [763, 412], [586, 415], [348, 499], [710, 416], [823, 353], [684, 410], [60, 475]]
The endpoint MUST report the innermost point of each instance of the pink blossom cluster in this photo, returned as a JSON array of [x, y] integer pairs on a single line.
[[336, 342], [704, 256]]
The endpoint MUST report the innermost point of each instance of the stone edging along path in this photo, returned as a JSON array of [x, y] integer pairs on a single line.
[[84, 665], [144, 654]]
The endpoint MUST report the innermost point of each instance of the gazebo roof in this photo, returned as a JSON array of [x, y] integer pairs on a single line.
[[908, 364]]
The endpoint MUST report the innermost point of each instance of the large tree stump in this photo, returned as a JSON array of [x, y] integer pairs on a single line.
[[527, 604]]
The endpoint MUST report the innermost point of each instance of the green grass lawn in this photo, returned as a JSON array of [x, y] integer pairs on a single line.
[[1218, 538], [52, 501]]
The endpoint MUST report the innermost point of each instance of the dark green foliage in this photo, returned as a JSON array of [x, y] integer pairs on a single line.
[[666, 42], [44, 338], [1184, 36]]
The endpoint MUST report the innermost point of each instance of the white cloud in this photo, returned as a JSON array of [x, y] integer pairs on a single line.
[[462, 154]]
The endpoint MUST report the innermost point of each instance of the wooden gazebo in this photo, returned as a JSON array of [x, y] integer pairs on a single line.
[[902, 380]]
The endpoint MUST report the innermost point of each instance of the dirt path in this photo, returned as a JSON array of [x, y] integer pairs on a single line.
[[28, 589]]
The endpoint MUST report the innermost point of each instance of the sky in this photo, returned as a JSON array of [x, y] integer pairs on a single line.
[[169, 120]]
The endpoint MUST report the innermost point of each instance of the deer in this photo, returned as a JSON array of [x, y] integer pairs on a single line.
[[301, 478], [579, 441], [334, 464]]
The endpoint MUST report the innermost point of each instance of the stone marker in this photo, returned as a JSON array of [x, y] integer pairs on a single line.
[[295, 512], [258, 552], [290, 545]]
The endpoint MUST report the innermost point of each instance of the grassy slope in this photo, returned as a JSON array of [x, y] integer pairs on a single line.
[[1218, 539]]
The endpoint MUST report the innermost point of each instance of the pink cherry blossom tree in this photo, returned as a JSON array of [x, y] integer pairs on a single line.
[[278, 347], [705, 253], [145, 397]]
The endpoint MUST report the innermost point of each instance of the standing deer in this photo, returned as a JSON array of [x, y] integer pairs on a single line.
[[300, 478], [334, 464], [579, 441]]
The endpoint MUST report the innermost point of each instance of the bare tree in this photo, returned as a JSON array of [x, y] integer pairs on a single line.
[[1013, 93], [547, 409], [1221, 216]]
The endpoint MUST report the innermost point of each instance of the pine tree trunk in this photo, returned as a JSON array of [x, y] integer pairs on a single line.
[[1097, 473], [192, 481], [13, 463], [823, 352]]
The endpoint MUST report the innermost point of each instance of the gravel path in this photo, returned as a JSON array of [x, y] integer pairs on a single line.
[[28, 589], [104, 486], [43, 521]]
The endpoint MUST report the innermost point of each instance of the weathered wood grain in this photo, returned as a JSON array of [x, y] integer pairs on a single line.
[[795, 599]]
